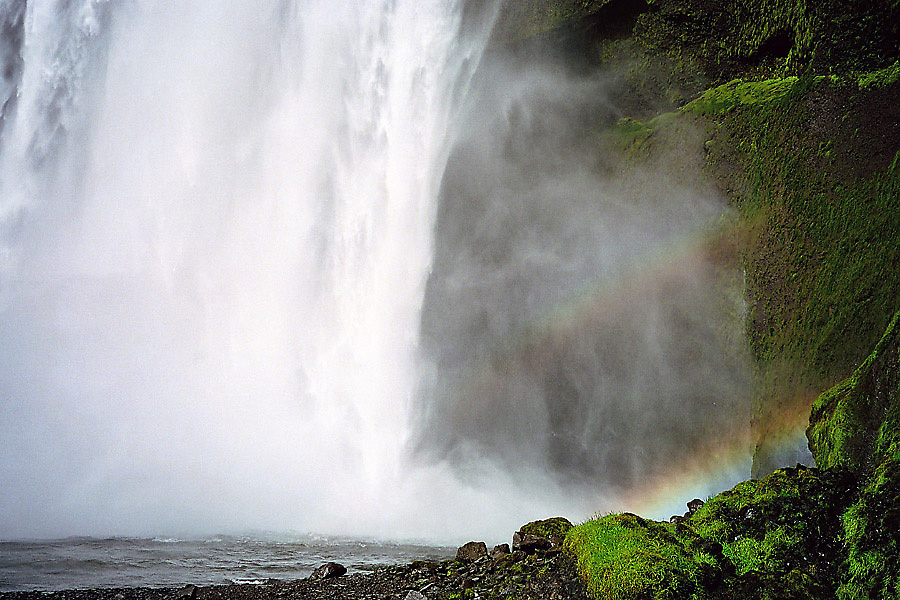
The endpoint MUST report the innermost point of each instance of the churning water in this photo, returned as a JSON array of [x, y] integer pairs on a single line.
[[79, 563]]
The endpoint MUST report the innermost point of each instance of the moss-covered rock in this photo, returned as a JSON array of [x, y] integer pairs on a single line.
[[548, 529], [803, 134], [778, 537], [627, 557]]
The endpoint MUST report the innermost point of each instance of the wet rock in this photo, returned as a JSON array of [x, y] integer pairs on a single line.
[[529, 543], [328, 571], [188, 592], [694, 505], [471, 551], [500, 551]]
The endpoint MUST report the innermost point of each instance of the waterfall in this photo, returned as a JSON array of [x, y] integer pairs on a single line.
[[330, 266], [215, 232]]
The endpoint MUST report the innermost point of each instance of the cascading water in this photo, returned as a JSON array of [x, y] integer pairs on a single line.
[[215, 230]]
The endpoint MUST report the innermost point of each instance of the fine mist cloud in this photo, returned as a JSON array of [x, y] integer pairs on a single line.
[[575, 322]]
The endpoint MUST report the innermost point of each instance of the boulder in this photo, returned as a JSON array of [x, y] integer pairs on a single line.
[[694, 505], [471, 551], [500, 551], [328, 571], [188, 592], [529, 543], [414, 595], [548, 528]]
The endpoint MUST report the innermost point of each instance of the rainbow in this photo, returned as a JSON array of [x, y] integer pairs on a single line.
[[721, 462]]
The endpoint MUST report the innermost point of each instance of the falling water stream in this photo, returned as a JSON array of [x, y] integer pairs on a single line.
[[215, 232]]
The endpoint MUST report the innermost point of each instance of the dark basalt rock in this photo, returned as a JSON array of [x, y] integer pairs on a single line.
[[694, 505], [529, 543], [188, 592], [471, 551], [500, 551], [328, 571]]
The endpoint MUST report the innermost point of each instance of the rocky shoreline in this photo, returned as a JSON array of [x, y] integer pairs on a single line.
[[536, 567]]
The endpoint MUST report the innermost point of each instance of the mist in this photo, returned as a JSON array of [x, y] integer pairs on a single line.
[[577, 319], [297, 266]]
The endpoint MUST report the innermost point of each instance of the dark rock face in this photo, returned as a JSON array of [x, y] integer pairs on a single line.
[[328, 571], [500, 551], [471, 551], [528, 543]]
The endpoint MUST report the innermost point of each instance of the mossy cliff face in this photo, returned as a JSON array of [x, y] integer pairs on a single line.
[[856, 426], [667, 51], [812, 165], [816, 184]]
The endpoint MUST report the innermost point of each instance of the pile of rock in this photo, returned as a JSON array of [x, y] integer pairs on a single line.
[[534, 567]]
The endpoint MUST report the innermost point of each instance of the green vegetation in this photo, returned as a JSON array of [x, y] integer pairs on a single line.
[[737, 93], [880, 78], [797, 533], [856, 425], [625, 556], [777, 537]]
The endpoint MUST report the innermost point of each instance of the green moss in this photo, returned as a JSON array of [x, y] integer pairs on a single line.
[[737, 93], [880, 78], [872, 536], [834, 438], [777, 537], [555, 527], [854, 424], [624, 556]]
